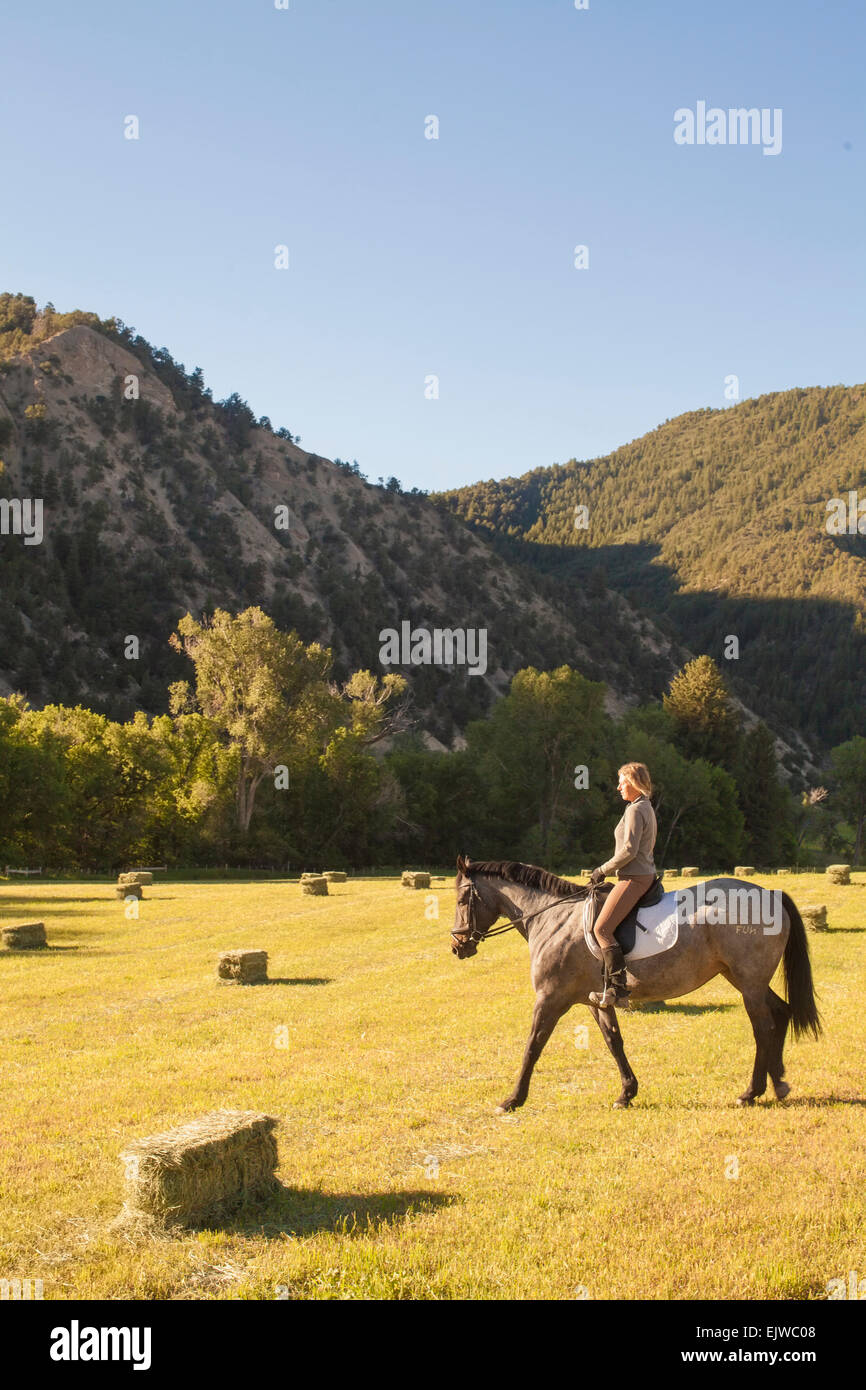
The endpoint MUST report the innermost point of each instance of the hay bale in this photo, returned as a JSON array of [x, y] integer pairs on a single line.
[[129, 890], [140, 876], [815, 918], [316, 884], [411, 879], [244, 967], [200, 1170], [744, 870], [691, 871], [839, 873], [29, 936], [335, 875]]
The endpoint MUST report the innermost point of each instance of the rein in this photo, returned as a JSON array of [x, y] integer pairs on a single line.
[[471, 936]]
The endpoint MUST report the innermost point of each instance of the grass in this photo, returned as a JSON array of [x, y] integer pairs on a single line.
[[384, 1058]]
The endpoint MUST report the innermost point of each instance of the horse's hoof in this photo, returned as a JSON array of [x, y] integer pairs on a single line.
[[745, 1100], [782, 1090], [620, 1105], [504, 1108]]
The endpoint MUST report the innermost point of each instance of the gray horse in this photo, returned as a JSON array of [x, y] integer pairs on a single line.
[[548, 911]]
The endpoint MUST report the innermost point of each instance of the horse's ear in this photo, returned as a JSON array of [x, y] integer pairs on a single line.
[[462, 864]]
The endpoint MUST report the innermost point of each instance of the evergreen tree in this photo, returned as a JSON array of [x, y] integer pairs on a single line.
[[849, 768], [763, 800], [707, 723]]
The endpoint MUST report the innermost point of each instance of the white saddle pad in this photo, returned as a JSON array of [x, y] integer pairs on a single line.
[[661, 928]]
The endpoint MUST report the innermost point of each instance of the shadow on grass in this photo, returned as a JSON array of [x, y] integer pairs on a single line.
[[813, 1102], [301, 1211], [765, 1102], [64, 915], [660, 1007], [36, 951], [300, 980], [46, 906], [282, 980]]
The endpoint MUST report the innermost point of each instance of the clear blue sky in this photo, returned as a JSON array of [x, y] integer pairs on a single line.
[[411, 256]]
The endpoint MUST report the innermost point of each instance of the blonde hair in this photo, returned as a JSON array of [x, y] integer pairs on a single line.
[[638, 775]]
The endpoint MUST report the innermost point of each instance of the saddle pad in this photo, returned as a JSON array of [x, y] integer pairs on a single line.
[[660, 929]]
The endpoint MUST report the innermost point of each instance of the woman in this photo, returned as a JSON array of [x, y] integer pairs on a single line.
[[635, 868]]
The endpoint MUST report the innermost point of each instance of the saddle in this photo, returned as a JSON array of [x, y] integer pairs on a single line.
[[626, 932]]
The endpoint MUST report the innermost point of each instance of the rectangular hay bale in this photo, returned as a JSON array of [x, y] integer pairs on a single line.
[[315, 884], [839, 873], [243, 967], [142, 876], [128, 890], [200, 1169], [815, 917], [335, 875], [411, 879], [29, 936]]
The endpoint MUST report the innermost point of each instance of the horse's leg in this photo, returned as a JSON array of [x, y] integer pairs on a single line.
[[607, 1022], [766, 1043], [769, 1016], [545, 1016], [776, 1065]]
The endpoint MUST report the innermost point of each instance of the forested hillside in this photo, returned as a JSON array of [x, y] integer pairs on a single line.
[[715, 525], [159, 500]]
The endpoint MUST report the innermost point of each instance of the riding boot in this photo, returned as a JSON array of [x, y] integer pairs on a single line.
[[615, 994]]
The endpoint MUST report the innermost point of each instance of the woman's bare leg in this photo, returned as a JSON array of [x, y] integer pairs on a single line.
[[619, 902]]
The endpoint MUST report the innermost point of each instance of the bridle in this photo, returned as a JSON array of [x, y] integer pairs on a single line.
[[470, 936]]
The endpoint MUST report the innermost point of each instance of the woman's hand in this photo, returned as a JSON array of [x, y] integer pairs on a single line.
[[597, 876]]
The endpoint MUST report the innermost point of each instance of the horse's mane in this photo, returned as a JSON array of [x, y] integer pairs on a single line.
[[527, 874]]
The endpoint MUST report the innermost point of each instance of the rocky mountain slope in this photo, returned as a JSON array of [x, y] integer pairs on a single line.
[[158, 500]]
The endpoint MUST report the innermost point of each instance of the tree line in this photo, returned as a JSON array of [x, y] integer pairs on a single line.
[[265, 758]]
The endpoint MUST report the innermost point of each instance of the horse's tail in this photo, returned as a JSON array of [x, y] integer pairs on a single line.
[[805, 1017]]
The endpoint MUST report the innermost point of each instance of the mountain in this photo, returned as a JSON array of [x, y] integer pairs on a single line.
[[715, 525], [158, 500]]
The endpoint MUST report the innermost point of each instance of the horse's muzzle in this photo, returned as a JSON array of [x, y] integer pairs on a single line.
[[463, 949]]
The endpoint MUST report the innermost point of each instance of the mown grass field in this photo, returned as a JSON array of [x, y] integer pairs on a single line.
[[399, 1180]]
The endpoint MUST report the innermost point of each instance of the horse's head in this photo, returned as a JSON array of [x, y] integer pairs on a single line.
[[473, 918]]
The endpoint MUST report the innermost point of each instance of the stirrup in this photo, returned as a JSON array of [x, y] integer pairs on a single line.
[[611, 997]]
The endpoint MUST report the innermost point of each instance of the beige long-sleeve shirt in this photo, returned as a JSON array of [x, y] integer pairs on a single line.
[[635, 840]]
